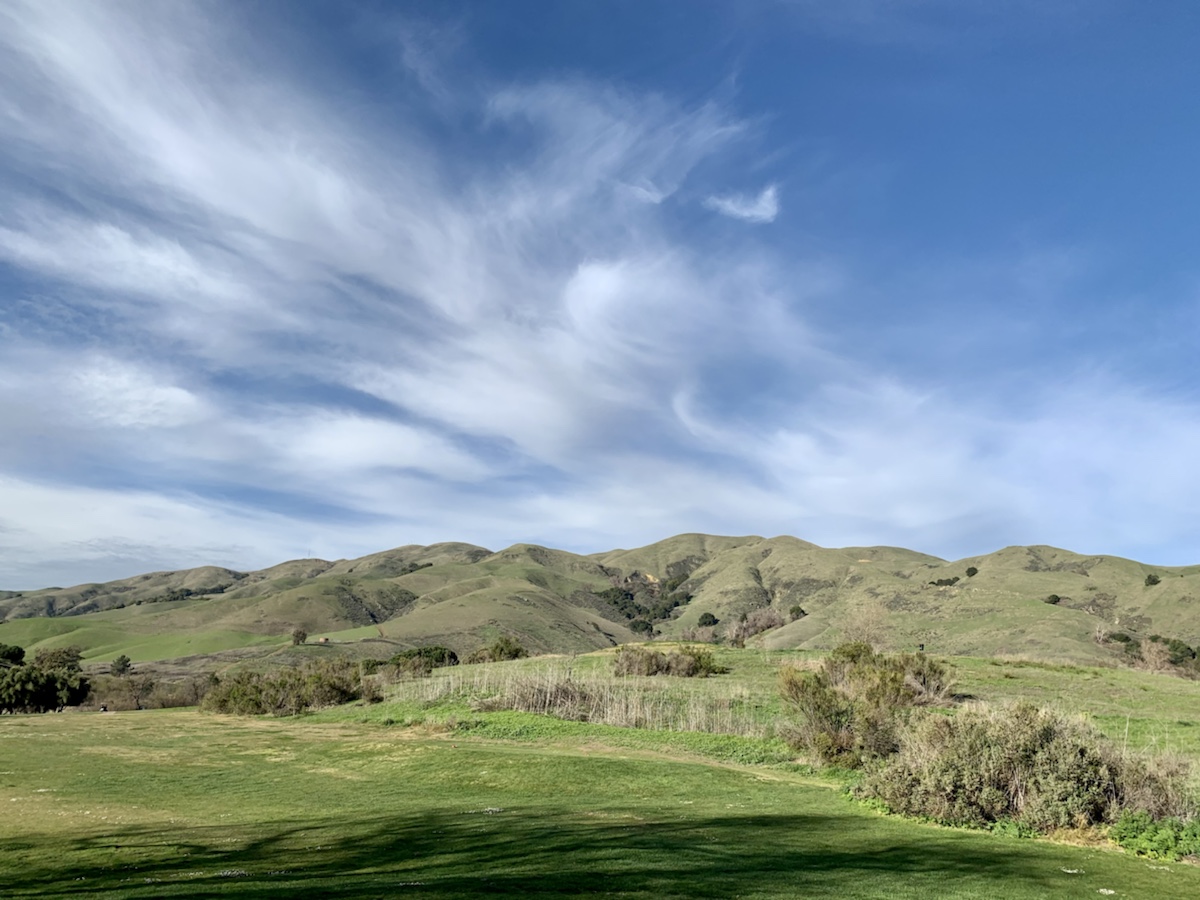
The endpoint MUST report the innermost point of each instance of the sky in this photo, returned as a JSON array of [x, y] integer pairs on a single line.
[[292, 279]]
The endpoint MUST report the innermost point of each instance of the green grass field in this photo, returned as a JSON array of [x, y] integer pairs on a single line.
[[176, 803], [430, 794]]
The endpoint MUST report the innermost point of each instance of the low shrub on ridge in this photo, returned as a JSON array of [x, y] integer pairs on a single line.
[[687, 662]]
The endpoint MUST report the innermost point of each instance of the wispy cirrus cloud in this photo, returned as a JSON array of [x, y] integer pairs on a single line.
[[281, 324]]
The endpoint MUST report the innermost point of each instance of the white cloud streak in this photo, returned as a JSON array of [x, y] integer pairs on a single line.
[[758, 210]]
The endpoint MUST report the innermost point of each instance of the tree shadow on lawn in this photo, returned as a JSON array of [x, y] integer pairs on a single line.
[[533, 853]]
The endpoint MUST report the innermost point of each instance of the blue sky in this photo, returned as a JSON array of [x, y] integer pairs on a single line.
[[311, 279]]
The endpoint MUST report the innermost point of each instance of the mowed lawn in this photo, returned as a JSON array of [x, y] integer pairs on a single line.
[[177, 803]]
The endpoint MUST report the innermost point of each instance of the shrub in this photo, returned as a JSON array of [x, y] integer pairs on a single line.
[[423, 660], [1180, 653], [826, 727], [501, 649], [972, 571], [797, 612], [851, 709], [707, 620], [1031, 766], [693, 662], [638, 661], [687, 662], [1152, 580], [299, 636], [289, 691]]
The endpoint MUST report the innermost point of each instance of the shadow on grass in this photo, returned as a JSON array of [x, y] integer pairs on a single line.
[[529, 853]]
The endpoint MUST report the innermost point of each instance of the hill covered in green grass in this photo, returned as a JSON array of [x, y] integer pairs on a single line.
[[1038, 602]]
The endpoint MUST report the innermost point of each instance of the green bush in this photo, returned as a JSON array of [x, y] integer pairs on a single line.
[[1037, 768], [707, 620], [501, 649], [289, 691], [688, 662], [852, 709], [423, 660]]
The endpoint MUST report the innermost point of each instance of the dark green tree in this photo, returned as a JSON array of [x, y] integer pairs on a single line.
[[59, 659], [11, 655], [122, 665]]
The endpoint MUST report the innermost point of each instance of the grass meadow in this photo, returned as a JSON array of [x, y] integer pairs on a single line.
[[436, 792]]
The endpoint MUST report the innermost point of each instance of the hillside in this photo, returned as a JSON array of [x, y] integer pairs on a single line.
[[1039, 602]]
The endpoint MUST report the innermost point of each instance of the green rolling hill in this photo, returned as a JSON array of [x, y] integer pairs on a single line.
[[1037, 602]]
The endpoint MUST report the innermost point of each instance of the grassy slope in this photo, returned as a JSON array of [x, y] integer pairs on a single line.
[[1140, 710], [543, 597], [178, 804]]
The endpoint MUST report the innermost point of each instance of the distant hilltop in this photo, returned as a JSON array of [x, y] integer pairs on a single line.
[[1037, 602]]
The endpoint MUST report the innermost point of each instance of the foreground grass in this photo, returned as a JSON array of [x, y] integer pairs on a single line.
[[175, 803]]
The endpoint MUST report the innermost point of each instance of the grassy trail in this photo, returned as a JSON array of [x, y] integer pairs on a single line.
[[175, 803]]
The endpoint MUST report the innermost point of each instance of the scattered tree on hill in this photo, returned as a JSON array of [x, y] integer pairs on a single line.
[[122, 665], [972, 571], [707, 620], [1152, 580], [299, 636], [797, 612], [753, 623], [648, 602], [641, 626]]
